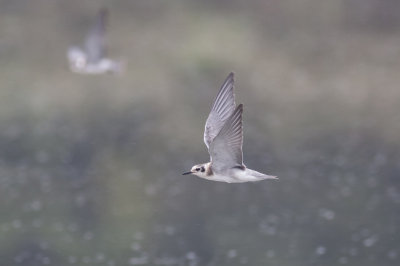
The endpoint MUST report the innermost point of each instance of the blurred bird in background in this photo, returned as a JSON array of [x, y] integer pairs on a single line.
[[92, 58]]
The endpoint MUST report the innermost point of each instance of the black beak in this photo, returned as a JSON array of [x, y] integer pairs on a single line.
[[187, 173]]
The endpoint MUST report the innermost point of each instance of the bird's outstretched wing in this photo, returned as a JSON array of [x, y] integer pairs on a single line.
[[95, 44], [223, 107], [226, 148]]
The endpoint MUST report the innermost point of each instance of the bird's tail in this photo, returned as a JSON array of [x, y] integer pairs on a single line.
[[262, 176], [270, 177]]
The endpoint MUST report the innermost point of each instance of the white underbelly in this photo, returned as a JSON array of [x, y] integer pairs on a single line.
[[234, 176]]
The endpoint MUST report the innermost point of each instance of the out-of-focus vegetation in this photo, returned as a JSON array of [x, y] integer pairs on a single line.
[[90, 166]]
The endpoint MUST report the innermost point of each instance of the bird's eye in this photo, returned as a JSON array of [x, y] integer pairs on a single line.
[[197, 169]]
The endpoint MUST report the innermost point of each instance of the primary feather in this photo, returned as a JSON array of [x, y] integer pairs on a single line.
[[223, 107]]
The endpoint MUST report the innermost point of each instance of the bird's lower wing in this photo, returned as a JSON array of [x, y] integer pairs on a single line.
[[226, 148]]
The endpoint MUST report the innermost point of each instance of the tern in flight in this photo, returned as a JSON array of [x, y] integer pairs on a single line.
[[92, 58], [223, 136]]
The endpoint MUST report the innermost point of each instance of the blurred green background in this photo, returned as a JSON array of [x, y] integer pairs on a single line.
[[90, 166]]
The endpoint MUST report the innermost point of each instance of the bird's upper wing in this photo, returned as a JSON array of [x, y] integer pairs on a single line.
[[95, 44], [226, 148], [223, 107]]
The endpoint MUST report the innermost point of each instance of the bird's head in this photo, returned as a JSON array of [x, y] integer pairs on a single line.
[[199, 169], [77, 59]]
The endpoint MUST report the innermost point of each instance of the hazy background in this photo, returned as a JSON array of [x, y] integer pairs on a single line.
[[90, 166]]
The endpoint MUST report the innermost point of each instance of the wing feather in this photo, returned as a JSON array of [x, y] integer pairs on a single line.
[[223, 107], [95, 44], [226, 148]]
